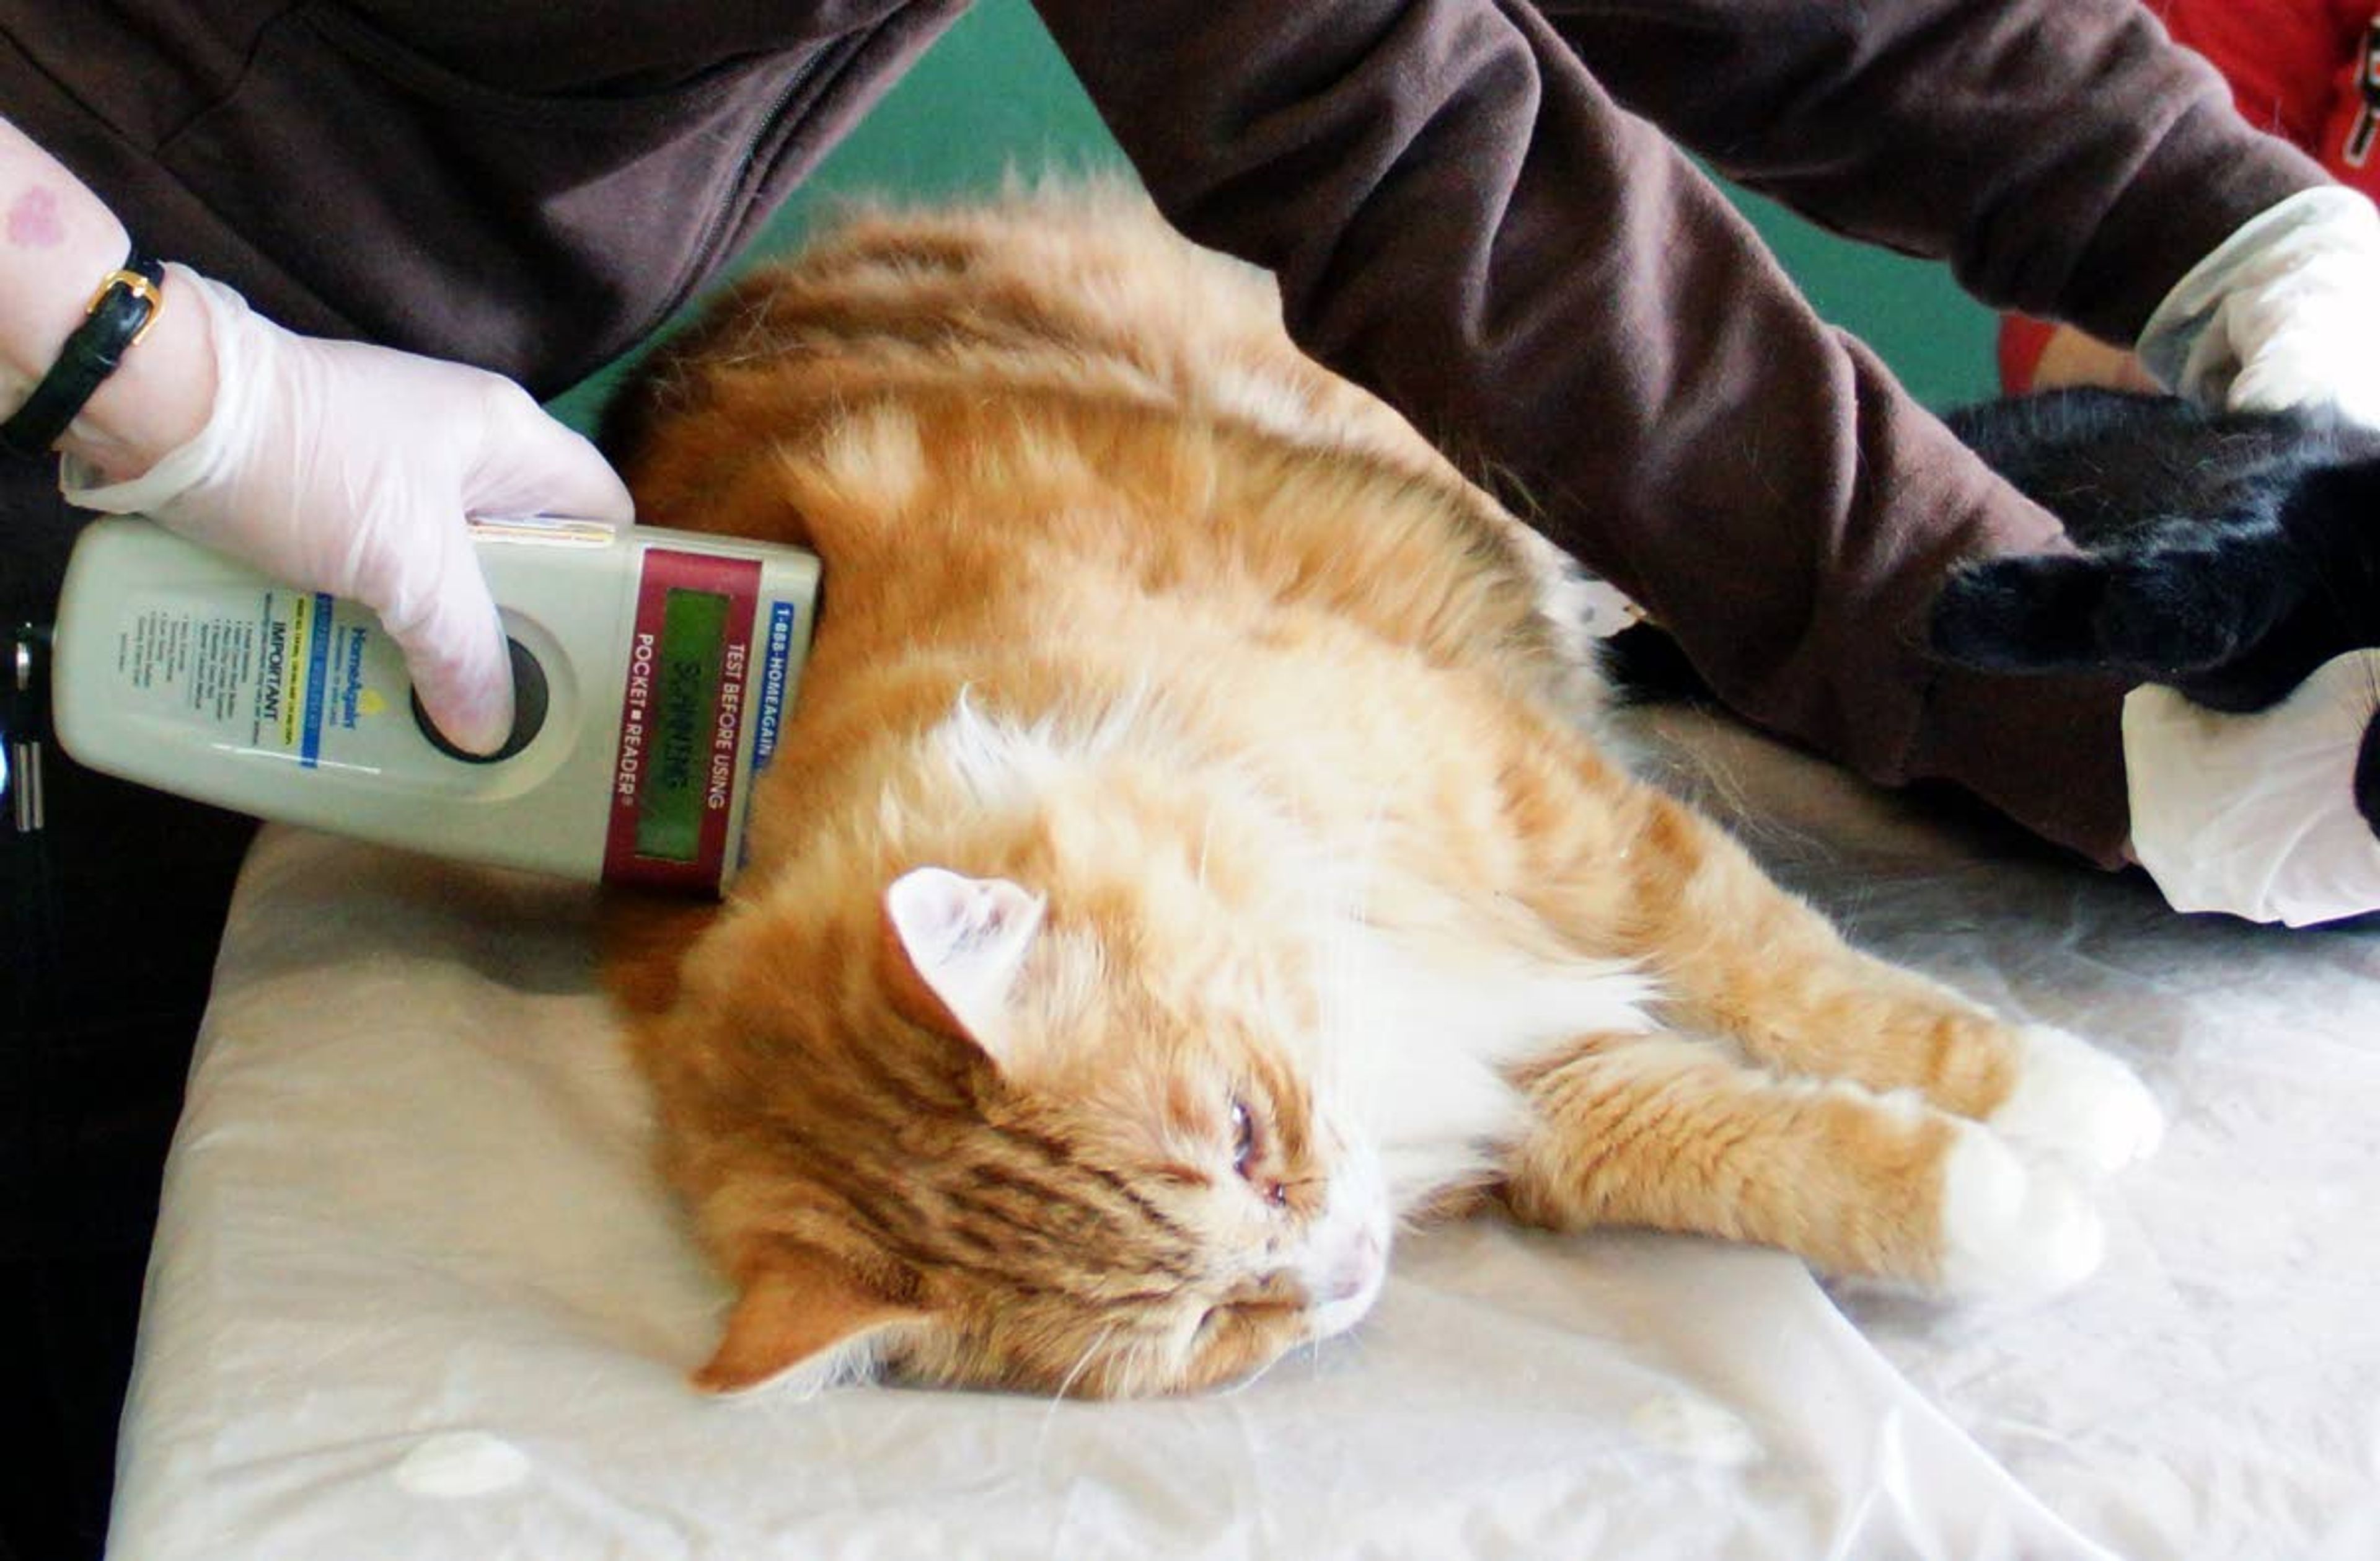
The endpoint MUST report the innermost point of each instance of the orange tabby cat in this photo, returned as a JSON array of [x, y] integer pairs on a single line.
[[1187, 861]]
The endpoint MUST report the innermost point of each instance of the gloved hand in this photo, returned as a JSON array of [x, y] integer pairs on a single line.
[[2285, 313], [2273, 812], [2273, 816], [350, 468], [2252, 733]]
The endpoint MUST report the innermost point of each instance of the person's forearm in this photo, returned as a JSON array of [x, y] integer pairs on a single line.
[[2073, 357], [332, 465], [1464, 222], [58, 240], [2063, 154]]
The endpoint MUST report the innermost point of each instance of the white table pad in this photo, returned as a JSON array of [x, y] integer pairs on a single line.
[[415, 1293]]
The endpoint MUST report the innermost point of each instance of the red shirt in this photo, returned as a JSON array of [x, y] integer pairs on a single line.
[[2305, 71]]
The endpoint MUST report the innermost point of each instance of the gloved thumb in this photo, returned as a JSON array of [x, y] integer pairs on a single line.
[[454, 644], [443, 618]]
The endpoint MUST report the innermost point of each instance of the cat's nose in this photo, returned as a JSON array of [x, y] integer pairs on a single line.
[[1345, 1281], [1358, 1271]]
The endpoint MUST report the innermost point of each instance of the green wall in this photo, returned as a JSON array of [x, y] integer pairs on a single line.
[[1936, 338], [994, 95]]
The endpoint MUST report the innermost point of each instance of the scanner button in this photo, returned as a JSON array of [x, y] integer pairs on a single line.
[[529, 712]]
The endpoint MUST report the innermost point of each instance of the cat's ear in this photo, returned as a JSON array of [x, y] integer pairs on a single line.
[[797, 1309], [953, 948]]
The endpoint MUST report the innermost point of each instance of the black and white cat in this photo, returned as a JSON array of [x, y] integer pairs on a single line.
[[2224, 554]]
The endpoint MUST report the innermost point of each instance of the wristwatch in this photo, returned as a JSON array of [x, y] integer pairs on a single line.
[[118, 315]]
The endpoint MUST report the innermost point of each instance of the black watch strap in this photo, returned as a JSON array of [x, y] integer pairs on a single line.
[[118, 315]]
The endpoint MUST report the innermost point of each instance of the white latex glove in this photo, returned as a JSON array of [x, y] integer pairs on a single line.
[[2285, 313], [350, 468], [2255, 814]]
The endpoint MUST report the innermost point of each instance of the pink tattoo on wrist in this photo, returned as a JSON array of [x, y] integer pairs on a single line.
[[33, 220]]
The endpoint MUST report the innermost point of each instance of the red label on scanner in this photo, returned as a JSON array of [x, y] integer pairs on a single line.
[[682, 712]]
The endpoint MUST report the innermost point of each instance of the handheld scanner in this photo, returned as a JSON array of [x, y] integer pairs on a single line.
[[652, 671]]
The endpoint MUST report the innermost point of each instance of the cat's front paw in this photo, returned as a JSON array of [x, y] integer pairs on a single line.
[[2009, 1230], [2073, 1100]]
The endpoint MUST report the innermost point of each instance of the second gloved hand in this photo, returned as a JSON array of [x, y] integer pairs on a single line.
[[2285, 312], [351, 468]]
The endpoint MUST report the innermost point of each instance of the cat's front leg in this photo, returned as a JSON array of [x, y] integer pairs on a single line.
[[1670, 1133], [1738, 956]]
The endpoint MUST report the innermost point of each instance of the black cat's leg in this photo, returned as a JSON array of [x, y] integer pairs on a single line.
[[2177, 608], [2166, 612], [2031, 613]]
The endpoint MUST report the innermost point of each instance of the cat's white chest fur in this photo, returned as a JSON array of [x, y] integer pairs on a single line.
[[1421, 1026]]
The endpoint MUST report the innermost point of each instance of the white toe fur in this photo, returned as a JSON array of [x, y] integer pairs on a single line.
[[2072, 1099], [2009, 1229]]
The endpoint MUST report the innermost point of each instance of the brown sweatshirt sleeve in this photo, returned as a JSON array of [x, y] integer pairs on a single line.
[[2065, 158], [1463, 219]]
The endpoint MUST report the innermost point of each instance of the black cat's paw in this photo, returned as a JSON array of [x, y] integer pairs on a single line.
[[2164, 614], [2168, 612], [2029, 613]]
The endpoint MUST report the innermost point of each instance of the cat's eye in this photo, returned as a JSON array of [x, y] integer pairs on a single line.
[[1243, 1157]]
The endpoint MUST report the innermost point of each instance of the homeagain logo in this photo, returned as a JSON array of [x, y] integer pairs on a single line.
[[351, 680], [772, 685]]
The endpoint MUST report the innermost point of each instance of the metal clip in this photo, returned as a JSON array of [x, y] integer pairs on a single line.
[[25, 725]]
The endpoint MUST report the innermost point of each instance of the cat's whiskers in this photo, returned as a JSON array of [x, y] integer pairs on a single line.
[[1050, 1410], [1238, 1385], [1066, 1385]]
